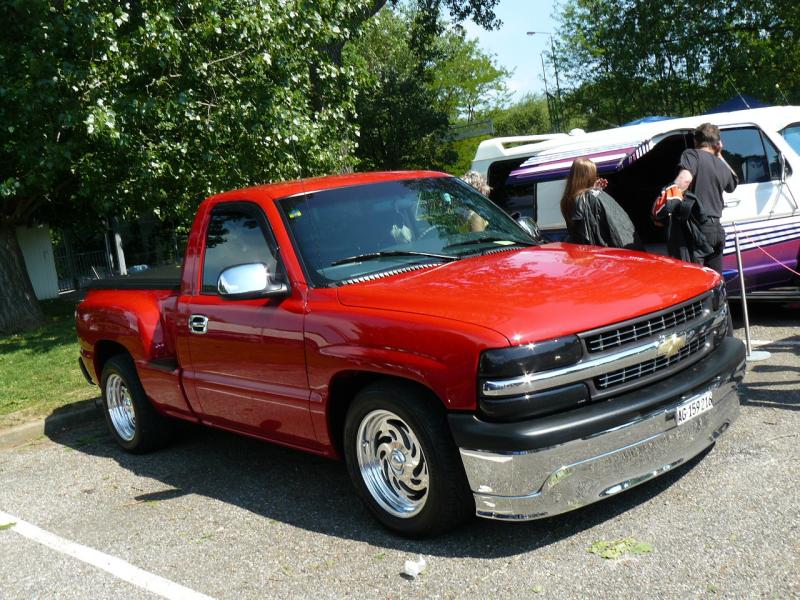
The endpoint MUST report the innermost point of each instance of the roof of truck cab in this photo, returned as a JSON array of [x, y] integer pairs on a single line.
[[285, 189]]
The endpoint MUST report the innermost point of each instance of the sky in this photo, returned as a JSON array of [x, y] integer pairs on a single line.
[[514, 49]]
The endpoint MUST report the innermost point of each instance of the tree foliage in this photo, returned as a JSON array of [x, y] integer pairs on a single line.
[[528, 116], [157, 104], [112, 108], [400, 123], [125, 107], [629, 58], [467, 80], [411, 95]]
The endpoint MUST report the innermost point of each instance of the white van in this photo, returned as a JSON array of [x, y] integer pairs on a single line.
[[527, 175]]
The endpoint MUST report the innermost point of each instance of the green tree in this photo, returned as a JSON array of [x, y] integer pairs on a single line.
[[399, 119], [410, 95], [528, 116], [114, 109], [629, 58], [467, 80]]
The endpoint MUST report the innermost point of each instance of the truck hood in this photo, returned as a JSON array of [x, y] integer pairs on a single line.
[[538, 293]]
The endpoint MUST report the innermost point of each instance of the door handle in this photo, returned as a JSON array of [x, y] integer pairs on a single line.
[[198, 324], [732, 202]]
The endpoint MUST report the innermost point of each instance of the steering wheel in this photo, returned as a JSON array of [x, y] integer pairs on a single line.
[[428, 232]]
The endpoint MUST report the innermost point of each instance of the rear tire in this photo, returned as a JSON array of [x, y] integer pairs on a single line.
[[403, 462], [132, 420]]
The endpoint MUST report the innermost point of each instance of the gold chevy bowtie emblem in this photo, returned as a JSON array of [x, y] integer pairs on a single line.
[[670, 346]]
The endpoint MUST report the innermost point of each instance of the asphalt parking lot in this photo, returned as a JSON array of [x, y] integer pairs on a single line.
[[230, 517]]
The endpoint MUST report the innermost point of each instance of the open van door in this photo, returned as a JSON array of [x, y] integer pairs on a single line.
[[636, 170], [762, 206]]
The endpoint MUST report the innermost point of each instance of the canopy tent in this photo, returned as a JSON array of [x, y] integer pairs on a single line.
[[648, 119], [740, 102]]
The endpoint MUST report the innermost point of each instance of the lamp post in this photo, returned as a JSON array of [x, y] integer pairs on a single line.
[[550, 107], [555, 70]]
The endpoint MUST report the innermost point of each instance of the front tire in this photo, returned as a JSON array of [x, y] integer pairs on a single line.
[[403, 462], [132, 420]]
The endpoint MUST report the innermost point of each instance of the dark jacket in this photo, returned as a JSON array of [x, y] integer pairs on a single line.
[[685, 240], [598, 220]]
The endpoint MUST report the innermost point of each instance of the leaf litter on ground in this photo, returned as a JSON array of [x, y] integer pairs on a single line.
[[613, 549]]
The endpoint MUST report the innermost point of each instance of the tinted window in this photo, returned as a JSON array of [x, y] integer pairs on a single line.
[[520, 200], [744, 149], [773, 158], [235, 236], [402, 220]]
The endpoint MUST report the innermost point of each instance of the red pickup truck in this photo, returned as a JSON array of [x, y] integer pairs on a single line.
[[405, 323]]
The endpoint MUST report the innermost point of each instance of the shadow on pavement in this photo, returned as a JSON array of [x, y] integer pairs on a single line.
[[71, 415], [779, 383], [315, 494]]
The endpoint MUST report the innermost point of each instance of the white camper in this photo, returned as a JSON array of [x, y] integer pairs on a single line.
[[527, 175]]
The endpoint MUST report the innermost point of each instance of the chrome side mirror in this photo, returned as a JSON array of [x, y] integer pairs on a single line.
[[529, 226], [251, 280]]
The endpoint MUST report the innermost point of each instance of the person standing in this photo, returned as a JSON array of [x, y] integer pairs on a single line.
[[475, 222], [704, 172], [592, 216]]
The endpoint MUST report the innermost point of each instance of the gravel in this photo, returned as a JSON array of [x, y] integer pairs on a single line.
[[235, 518]]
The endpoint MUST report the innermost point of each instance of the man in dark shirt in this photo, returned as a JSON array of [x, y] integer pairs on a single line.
[[704, 172]]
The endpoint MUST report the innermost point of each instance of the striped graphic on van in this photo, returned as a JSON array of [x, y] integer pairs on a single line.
[[762, 233]]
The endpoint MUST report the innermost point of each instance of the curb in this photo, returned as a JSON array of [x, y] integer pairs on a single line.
[[22, 434]]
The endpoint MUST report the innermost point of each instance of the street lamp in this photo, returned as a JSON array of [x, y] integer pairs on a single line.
[[555, 70], [551, 108]]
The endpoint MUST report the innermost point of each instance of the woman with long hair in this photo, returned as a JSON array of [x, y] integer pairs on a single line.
[[592, 216]]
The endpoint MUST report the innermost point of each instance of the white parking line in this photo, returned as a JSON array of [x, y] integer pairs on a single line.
[[115, 566]]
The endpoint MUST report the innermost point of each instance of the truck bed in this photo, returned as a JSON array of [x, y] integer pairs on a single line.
[[165, 277]]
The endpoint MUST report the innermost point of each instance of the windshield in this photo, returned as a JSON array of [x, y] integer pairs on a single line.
[[346, 233]]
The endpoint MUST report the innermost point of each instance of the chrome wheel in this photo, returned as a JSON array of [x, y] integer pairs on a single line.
[[120, 407], [392, 463]]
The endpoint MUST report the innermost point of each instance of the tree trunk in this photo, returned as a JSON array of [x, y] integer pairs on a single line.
[[19, 308]]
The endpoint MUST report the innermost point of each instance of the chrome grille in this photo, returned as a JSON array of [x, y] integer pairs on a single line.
[[649, 367], [644, 328]]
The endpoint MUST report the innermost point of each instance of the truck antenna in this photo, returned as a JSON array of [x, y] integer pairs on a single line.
[[738, 93], [780, 90]]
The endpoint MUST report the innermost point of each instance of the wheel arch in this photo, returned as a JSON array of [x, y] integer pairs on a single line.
[[103, 351], [346, 385]]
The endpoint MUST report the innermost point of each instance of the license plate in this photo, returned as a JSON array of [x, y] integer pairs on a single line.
[[693, 407]]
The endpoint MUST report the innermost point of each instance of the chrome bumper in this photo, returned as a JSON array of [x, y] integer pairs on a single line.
[[541, 483]]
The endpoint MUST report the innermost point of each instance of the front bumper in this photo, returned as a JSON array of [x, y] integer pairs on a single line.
[[544, 467]]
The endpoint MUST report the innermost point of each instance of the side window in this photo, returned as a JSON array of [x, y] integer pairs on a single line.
[[773, 158], [792, 136], [235, 236], [745, 153], [549, 204]]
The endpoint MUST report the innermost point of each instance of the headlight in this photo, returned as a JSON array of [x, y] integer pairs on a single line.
[[512, 363], [530, 358]]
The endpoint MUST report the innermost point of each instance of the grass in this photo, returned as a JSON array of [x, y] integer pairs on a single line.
[[39, 369]]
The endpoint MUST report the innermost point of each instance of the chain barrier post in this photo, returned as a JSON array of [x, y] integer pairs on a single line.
[[751, 354]]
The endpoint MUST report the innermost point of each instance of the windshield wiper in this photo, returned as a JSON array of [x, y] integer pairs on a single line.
[[374, 255], [487, 239]]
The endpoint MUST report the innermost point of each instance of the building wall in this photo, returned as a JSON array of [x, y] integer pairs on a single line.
[[37, 249]]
